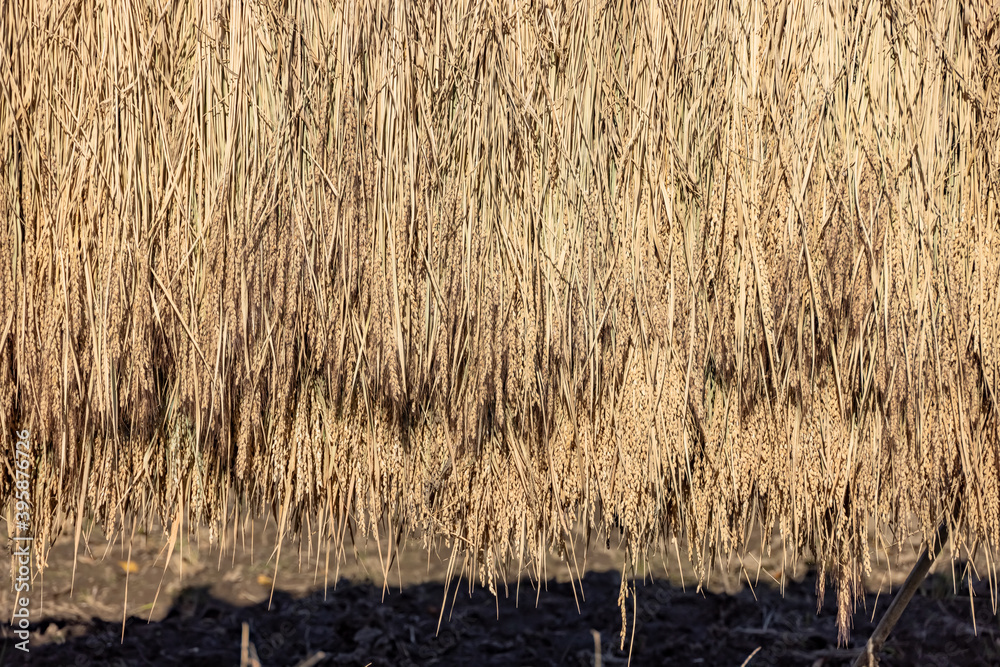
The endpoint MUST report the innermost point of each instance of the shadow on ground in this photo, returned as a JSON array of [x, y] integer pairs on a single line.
[[352, 625]]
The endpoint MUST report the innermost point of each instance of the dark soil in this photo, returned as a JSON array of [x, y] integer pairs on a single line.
[[358, 622]]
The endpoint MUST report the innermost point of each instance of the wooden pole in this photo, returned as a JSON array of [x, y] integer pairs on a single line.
[[869, 656]]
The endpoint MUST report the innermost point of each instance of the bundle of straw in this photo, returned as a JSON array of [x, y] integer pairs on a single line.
[[490, 269]]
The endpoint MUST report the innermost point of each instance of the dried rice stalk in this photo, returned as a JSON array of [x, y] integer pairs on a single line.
[[487, 269]]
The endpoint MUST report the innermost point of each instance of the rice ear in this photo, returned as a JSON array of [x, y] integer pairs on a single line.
[[490, 271]]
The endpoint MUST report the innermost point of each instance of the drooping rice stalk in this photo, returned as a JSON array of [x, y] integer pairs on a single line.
[[489, 269]]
